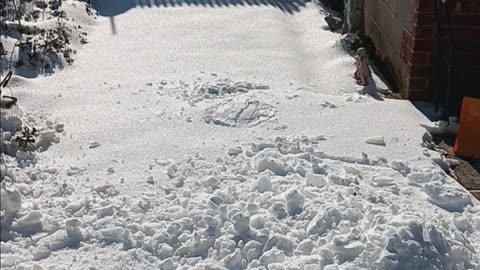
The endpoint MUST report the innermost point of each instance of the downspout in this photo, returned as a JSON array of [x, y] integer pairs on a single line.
[[450, 61], [346, 14], [438, 55]]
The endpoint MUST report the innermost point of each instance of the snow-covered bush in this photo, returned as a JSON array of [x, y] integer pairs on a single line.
[[39, 37]]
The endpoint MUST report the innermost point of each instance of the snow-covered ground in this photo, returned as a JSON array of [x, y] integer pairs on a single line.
[[225, 138]]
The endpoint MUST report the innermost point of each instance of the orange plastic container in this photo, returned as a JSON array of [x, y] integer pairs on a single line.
[[468, 136]]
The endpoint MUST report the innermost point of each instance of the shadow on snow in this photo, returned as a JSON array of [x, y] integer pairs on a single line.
[[110, 8]]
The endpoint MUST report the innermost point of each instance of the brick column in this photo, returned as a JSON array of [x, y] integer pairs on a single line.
[[419, 44]]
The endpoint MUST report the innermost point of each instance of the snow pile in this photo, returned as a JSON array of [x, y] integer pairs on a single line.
[[17, 151], [278, 205], [13, 131]]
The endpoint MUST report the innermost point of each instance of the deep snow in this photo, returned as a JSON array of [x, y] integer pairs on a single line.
[[225, 137]]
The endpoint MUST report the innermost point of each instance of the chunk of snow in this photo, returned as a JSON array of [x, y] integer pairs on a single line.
[[29, 224], [235, 151], [315, 180], [11, 199], [272, 256], [295, 201], [211, 181], [94, 145], [377, 140], [110, 235], [266, 164], [263, 183]]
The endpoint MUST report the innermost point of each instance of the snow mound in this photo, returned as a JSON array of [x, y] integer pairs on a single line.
[[18, 150], [10, 120], [277, 205], [12, 128]]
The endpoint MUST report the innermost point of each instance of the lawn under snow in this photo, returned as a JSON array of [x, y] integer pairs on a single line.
[[223, 138]]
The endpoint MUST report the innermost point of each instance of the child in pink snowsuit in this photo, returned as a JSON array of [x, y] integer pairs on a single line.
[[363, 69]]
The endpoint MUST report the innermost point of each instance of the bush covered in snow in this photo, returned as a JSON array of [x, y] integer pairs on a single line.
[[39, 36]]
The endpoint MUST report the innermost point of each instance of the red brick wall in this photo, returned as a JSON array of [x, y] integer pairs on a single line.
[[419, 44]]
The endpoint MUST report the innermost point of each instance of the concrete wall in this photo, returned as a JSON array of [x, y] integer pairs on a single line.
[[385, 22]]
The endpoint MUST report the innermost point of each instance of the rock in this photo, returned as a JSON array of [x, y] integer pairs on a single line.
[[427, 137], [334, 23]]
